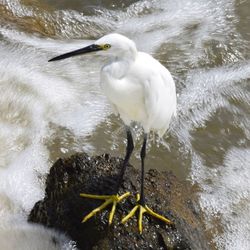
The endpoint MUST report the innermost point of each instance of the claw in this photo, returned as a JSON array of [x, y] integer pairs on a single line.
[[108, 200], [142, 210]]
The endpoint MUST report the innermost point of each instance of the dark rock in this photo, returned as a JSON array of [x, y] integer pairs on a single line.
[[63, 208]]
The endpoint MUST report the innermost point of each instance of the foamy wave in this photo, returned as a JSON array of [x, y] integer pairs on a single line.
[[226, 199], [41, 102]]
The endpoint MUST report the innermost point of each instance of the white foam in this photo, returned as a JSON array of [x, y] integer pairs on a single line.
[[67, 94], [227, 198], [35, 94], [30, 237], [205, 92], [47, 99]]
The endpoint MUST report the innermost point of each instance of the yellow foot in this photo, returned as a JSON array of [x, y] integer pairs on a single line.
[[142, 210], [108, 200]]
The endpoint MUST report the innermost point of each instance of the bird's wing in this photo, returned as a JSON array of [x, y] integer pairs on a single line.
[[152, 89], [160, 101]]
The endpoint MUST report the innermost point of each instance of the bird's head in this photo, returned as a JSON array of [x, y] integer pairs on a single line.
[[112, 45]]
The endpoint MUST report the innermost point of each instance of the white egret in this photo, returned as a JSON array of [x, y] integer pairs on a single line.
[[140, 89]]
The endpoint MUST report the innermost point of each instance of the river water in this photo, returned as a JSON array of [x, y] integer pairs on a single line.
[[51, 110]]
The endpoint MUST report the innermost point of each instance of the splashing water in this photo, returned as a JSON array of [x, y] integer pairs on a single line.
[[53, 110]]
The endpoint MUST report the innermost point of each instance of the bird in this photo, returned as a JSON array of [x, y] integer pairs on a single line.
[[140, 89]]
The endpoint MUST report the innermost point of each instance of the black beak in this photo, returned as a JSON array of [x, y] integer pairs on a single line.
[[90, 48]]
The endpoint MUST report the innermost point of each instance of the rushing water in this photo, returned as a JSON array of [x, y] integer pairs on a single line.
[[50, 110]]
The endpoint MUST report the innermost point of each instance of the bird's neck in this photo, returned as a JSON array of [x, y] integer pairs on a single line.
[[117, 67], [120, 64]]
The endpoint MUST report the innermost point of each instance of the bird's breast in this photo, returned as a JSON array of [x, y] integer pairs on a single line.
[[126, 94]]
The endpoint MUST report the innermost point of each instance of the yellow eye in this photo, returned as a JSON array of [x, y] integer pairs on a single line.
[[106, 46]]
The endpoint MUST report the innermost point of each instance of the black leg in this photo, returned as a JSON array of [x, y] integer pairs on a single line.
[[129, 150], [143, 155]]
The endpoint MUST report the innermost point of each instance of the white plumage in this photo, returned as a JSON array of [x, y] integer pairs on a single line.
[[139, 87]]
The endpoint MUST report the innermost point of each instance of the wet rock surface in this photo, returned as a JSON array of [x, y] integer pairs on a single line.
[[63, 208]]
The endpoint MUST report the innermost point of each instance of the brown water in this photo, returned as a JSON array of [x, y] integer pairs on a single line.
[[53, 110]]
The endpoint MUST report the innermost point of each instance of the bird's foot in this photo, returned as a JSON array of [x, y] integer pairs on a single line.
[[108, 200], [143, 209]]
